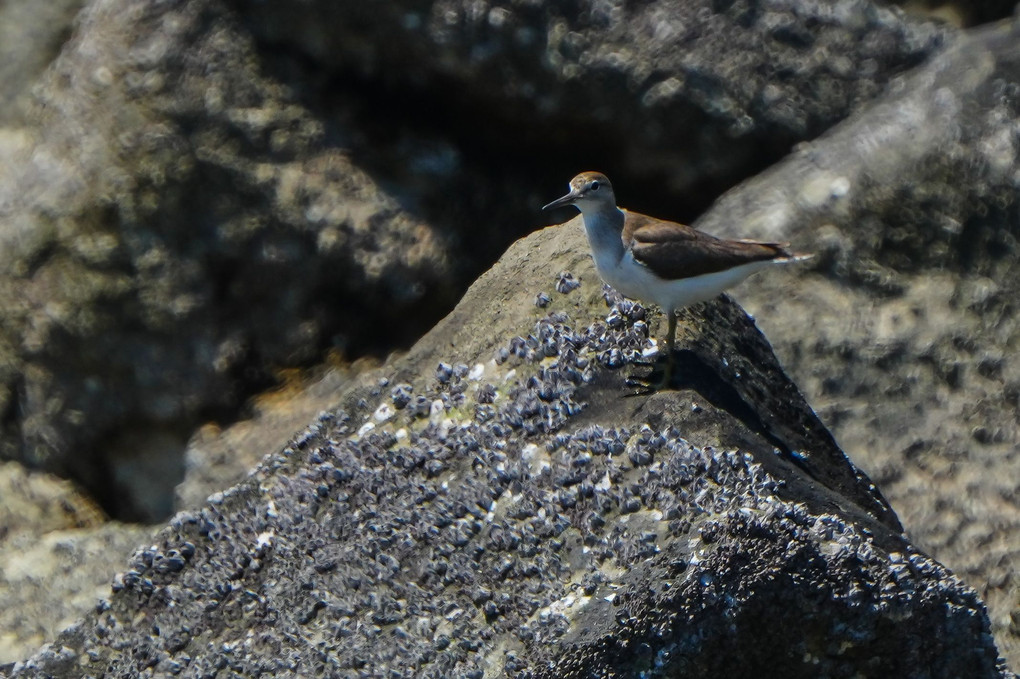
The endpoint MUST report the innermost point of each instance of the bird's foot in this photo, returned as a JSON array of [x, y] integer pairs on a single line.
[[657, 379]]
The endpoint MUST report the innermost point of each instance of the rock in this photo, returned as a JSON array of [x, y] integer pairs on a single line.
[[57, 551], [563, 529], [49, 580], [217, 459], [966, 14], [189, 113], [34, 502], [180, 164], [688, 93], [31, 35], [910, 354], [174, 225]]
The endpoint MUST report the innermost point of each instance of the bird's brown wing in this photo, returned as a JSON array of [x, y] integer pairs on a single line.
[[674, 250]]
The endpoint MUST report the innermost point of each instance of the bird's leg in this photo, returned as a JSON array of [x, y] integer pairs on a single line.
[[670, 343], [648, 384]]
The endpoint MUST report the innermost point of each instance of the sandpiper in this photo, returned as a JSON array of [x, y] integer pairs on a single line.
[[669, 264]]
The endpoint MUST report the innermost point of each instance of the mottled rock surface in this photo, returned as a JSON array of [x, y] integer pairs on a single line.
[[167, 180], [174, 226], [692, 94], [179, 164], [39, 503], [216, 459], [502, 508], [910, 356], [56, 552], [31, 36], [48, 580]]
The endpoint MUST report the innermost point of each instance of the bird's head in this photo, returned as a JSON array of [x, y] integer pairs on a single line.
[[589, 191]]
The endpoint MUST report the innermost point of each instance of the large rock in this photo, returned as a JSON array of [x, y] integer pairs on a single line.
[[910, 353], [217, 459], [31, 36], [693, 94], [182, 163], [496, 505], [172, 115], [57, 551], [175, 225], [48, 580]]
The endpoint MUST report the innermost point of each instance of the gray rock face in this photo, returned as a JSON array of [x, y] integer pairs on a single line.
[[911, 207], [56, 549], [31, 36], [180, 166], [48, 581], [175, 224], [217, 459], [511, 512], [687, 92]]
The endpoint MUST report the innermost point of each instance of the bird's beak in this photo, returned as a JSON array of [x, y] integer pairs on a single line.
[[565, 200]]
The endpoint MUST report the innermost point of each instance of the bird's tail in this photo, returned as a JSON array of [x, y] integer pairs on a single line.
[[783, 252], [788, 256]]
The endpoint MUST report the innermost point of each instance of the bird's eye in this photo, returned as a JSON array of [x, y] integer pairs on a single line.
[[594, 186]]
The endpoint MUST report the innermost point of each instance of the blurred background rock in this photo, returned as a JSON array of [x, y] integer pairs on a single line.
[[198, 198]]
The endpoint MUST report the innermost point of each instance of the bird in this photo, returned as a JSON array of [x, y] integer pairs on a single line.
[[653, 260]]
